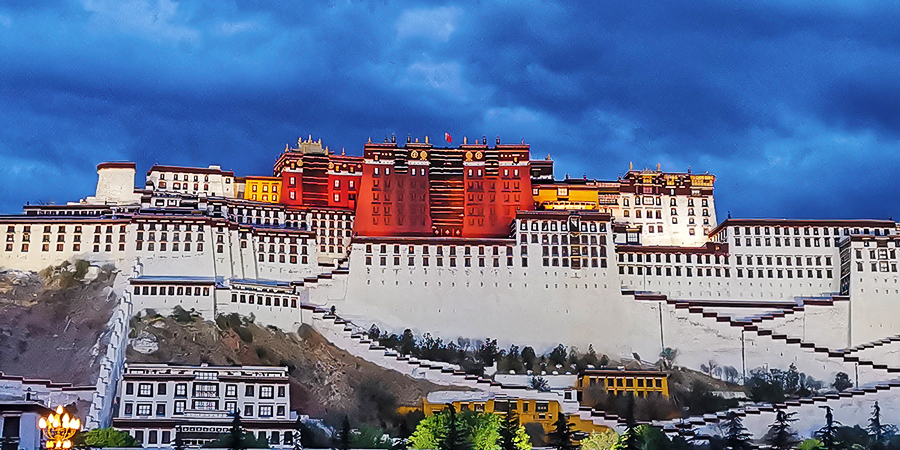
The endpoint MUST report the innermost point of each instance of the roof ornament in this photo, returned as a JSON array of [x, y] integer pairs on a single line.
[[630, 166], [426, 138], [393, 138], [408, 139], [465, 140], [342, 152], [657, 167], [548, 158], [498, 139], [370, 139]]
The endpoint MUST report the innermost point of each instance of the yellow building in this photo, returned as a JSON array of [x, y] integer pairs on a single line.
[[262, 189], [529, 411], [641, 383], [575, 195]]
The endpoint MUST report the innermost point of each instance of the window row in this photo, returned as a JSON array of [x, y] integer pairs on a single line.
[[676, 257], [253, 299], [676, 271], [439, 261], [163, 246], [783, 261], [797, 242], [561, 225], [172, 290], [60, 247], [807, 231]]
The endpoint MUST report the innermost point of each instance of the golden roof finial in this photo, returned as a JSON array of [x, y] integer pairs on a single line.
[[342, 151], [465, 139], [630, 166]]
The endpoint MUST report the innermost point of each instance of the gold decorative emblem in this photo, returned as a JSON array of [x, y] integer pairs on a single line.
[[331, 166], [468, 156], [478, 155], [300, 163], [516, 160], [423, 155], [414, 154]]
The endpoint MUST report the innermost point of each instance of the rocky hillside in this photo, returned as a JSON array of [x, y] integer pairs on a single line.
[[52, 324], [324, 379]]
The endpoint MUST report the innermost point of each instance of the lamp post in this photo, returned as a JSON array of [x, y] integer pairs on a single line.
[[59, 428]]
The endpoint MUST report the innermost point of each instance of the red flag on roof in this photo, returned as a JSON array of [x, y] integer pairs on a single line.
[[447, 137]]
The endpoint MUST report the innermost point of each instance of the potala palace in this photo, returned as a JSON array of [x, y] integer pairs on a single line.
[[481, 240]]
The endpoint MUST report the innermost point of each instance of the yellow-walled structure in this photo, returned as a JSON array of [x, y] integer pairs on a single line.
[[641, 383], [575, 195], [262, 189], [529, 411]]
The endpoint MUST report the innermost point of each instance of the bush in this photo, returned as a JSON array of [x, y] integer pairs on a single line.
[[109, 437], [182, 316]]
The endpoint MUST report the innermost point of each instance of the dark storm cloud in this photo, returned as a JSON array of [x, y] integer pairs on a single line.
[[792, 105]]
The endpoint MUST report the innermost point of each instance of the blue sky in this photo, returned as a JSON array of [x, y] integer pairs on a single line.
[[795, 106]]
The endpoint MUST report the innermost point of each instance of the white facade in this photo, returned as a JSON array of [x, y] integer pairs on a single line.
[[157, 400], [744, 293], [208, 182]]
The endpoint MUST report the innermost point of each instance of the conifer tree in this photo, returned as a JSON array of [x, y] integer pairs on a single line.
[[828, 434], [178, 444], [736, 435], [236, 434], [631, 439], [344, 434], [509, 428], [453, 437], [780, 435], [561, 436], [879, 433]]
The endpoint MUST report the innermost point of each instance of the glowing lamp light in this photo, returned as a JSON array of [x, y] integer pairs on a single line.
[[59, 428]]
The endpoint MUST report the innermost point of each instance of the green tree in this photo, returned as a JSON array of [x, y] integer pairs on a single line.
[[540, 384], [879, 432], [736, 435], [237, 438], [512, 435], [561, 436], [600, 441], [343, 437], [667, 356], [508, 430], [528, 358], [407, 343], [454, 436], [481, 430], [558, 355], [631, 438], [780, 435], [842, 382], [810, 444], [370, 437], [109, 437], [178, 444], [429, 432], [828, 434]]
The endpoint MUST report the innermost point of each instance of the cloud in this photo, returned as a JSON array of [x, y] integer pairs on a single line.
[[433, 23], [792, 104]]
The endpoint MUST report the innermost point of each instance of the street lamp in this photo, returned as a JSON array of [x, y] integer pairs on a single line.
[[59, 428]]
